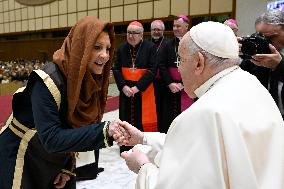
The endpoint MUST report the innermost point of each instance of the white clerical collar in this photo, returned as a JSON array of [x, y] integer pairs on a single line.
[[202, 89]]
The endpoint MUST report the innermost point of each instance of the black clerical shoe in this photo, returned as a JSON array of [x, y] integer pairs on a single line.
[[88, 172]]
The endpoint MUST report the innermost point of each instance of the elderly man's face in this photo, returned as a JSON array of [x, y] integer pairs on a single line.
[[274, 32], [187, 66], [134, 35], [180, 28], [157, 31]]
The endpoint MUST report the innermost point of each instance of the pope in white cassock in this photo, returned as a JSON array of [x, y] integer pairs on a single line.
[[230, 138]]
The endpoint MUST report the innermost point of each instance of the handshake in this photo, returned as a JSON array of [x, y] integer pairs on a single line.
[[124, 133]]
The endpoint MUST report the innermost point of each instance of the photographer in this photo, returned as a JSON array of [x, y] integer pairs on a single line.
[[269, 67]]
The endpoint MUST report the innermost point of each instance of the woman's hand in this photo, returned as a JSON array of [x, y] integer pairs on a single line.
[[60, 180]]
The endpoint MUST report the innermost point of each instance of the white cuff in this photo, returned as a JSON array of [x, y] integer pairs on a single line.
[[144, 142]]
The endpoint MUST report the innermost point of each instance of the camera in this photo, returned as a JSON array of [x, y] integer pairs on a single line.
[[257, 43]]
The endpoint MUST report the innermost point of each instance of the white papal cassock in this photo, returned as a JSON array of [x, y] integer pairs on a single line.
[[231, 138]]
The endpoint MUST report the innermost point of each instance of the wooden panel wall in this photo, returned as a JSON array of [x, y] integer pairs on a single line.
[[29, 49], [15, 17]]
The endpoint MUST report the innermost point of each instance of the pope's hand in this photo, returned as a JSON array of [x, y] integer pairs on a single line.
[[135, 159], [135, 136]]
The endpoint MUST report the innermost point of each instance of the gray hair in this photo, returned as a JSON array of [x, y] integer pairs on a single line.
[[213, 61], [158, 22], [258, 20], [275, 17]]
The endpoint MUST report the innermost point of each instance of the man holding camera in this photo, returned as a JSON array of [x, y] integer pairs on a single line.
[[269, 67]]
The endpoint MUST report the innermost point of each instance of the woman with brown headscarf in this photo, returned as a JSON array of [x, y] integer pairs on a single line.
[[60, 112]]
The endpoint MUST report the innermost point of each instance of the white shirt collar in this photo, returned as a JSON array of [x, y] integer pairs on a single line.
[[202, 89]]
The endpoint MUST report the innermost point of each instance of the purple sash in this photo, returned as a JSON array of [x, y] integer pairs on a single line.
[[186, 101], [174, 73]]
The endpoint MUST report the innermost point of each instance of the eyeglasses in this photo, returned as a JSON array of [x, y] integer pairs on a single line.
[[269, 35], [272, 37], [133, 33]]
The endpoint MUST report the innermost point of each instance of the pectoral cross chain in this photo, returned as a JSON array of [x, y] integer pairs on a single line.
[[133, 65]]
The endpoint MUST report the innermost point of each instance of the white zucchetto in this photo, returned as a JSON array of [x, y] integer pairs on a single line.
[[216, 38]]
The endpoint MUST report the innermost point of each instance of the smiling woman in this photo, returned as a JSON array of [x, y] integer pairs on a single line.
[[100, 53], [60, 112]]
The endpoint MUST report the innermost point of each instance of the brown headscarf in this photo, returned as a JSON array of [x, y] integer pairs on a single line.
[[86, 93]]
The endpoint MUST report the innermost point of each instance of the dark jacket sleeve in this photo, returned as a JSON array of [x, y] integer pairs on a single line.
[[120, 82], [54, 136], [149, 75], [279, 70], [162, 61]]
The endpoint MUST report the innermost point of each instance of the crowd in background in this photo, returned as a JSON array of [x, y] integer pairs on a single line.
[[18, 70]]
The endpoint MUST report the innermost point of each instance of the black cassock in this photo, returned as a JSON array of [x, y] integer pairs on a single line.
[[161, 88], [173, 103], [130, 108]]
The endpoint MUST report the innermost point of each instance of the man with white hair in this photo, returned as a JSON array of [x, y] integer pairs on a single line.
[[134, 71], [157, 32], [231, 137]]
